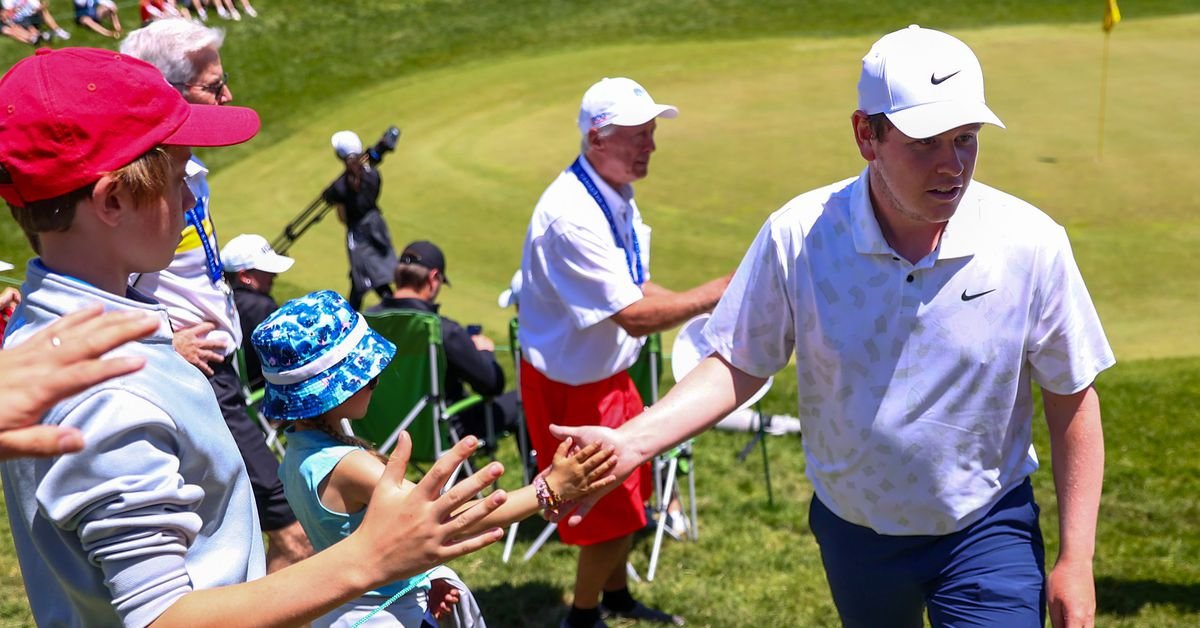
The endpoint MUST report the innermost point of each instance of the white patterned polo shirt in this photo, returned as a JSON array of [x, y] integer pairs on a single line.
[[914, 379]]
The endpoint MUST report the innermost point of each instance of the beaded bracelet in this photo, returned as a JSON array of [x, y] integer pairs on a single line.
[[548, 500]]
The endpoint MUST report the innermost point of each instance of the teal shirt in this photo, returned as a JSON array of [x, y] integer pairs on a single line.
[[310, 458]]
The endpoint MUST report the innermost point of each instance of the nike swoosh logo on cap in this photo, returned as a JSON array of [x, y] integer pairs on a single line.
[[933, 78]]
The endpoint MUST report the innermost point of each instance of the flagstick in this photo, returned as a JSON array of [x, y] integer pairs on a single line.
[[1103, 97]]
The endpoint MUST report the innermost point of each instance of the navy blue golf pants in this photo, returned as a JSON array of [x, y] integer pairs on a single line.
[[991, 573]]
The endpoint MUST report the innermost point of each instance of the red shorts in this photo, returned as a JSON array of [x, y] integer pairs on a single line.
[[609, 402]]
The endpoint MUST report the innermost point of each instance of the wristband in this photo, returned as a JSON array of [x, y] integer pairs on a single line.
[[548, 500]]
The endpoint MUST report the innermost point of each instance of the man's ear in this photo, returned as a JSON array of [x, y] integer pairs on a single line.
[[594, 139], [109, 201], [864, 136]]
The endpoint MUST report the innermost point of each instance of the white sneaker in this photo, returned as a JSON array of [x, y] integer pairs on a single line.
[[250, 11], [202, 13], [224, 15], [62, 33], [237, 17]]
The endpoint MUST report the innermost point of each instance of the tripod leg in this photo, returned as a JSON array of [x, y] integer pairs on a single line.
[[541, 540], [662, 519]]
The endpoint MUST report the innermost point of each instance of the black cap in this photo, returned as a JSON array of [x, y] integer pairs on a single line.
[[427, 254]]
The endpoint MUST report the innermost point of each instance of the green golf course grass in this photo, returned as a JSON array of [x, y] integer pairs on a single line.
[[486, 93]]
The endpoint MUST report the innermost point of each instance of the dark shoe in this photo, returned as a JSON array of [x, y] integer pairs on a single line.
[[641, 612], [599, 624]]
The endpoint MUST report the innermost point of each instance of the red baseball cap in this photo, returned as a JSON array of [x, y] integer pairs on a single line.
[[69, 116]]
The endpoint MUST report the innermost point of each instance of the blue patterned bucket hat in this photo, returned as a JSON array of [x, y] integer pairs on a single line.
[[316, 352]]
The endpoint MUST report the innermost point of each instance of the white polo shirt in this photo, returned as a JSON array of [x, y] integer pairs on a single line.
[[914, 380], [575, 278]]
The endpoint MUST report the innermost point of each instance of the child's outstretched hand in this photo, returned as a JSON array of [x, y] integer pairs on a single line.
[[578, 473], [442, 598]]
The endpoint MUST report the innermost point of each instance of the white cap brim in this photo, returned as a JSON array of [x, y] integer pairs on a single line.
[[273, 263], [642, 115], [5, 266], [506, 299], [935, 118]]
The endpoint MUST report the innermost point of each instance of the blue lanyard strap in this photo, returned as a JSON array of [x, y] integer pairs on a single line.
[[634, 260], [212, 259]]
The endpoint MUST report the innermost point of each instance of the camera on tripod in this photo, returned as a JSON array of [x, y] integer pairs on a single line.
[[386, 144]]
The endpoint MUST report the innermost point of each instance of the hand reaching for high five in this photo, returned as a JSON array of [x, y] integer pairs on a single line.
[[407, 532]]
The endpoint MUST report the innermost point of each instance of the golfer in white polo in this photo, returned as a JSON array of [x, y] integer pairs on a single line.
[[921, 306]]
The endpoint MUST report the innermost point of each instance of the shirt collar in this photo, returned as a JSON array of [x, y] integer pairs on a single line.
[[961, 238], [194, 167]]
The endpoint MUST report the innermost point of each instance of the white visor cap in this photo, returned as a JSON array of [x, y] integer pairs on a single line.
[[619, 101], [925, 81]]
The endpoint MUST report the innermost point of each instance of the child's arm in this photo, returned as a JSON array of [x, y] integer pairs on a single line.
[[571, 476], [405, 532]]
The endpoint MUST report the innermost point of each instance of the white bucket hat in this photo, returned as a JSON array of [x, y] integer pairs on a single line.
[[619, 101], [925, 81]]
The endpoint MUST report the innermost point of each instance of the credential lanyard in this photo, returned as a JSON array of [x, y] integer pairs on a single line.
[[212, 260], [633, 260]]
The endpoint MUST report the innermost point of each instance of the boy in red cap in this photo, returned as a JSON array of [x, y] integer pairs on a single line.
[[154, 522]]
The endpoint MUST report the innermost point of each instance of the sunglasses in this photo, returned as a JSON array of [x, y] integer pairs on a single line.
[[213, 88]]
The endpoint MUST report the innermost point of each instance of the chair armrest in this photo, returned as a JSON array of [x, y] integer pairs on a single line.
[[463, 404]]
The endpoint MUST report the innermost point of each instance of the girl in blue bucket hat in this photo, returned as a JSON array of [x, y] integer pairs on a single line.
[[321, 362]]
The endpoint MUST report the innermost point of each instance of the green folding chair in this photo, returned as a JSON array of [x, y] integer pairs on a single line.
[[409, 394], [253, 401]]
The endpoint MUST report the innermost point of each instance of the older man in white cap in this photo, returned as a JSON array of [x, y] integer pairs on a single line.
[[586, 304], [921, 306]]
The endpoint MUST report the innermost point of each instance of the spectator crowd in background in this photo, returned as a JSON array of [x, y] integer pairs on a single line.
[[32, 22]]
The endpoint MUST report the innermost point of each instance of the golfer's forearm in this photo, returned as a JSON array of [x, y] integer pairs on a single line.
[[1077, 452], [708, 394]]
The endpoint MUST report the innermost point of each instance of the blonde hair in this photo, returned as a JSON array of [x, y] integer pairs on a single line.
[[145, 178]]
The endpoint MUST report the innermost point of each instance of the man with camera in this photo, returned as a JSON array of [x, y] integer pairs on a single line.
[[355, 194]]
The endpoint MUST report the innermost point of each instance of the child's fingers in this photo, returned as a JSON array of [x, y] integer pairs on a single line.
[[431, 485], [604, 468], [461, 547], [393, 474], [466, 490], [582, 454], [598, 458], [563, 448]]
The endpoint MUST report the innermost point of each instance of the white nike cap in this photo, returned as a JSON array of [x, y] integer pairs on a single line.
[[253, 251], [619, 101], [925, 81]]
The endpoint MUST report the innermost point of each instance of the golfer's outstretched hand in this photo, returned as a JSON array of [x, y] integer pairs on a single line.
[[59, 361], [628, 459], [407, 532]]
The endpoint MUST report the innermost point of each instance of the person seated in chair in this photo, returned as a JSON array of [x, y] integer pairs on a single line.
[[250, 266], [470, 358]]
